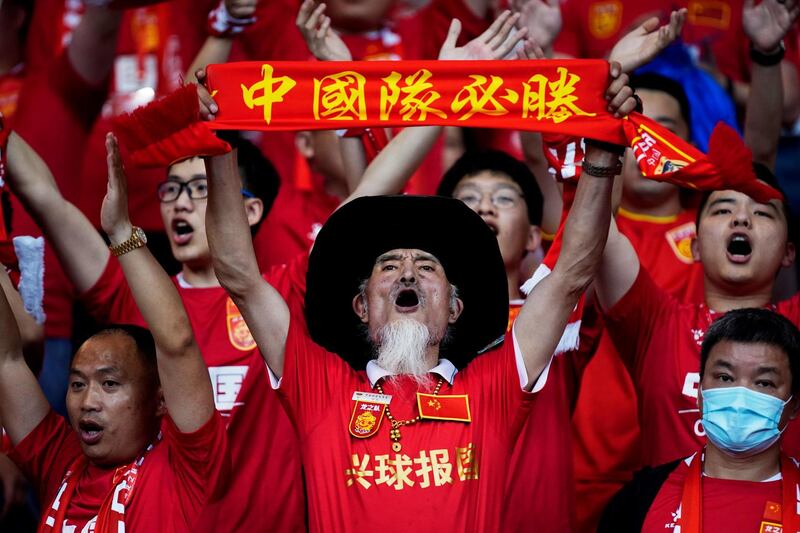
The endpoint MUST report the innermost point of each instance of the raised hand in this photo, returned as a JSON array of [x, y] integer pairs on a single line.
[[208, 107], [321, 40], [647, 41], [495, 43], [530, 50], [241, 9], [619, 94], [767, 23], [114, 217], [541, 17]]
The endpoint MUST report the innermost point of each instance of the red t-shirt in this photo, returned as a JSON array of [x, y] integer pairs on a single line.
[[55, 113], [547, 503], [291, 226], [728, 505], [659, 340], [266, 473], [664, 247], [593, 27], [178, 477], [156, 45], [449, 476]]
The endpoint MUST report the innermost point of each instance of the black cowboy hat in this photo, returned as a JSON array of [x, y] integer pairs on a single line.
[[354, 236]]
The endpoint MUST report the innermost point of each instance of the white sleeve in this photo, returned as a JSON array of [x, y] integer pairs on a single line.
[[521, 370]]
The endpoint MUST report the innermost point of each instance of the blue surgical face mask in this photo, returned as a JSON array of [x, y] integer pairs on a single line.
[[740, 421]]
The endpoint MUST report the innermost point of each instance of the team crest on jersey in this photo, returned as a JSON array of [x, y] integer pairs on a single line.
[[680, 240], [605, 18], [238, 332], [709, 13], [367, 414]]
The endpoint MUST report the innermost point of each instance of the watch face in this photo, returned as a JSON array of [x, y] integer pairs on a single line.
[[140, 234]]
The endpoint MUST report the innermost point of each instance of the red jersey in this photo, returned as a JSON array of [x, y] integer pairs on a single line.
[[156, 45], [449, 476], [728, 505], [713, 28], [177, 478], [664, 248], [266, 473], [54, 114], [291, 226], [659, 340], [546, 455]]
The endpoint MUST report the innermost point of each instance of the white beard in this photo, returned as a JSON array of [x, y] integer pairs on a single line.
[[402, 349]]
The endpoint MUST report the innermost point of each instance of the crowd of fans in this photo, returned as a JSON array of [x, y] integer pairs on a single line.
[[423, 328]]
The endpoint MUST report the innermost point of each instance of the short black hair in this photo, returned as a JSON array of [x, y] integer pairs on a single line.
[[763, 173], [477, 161], [142, 339], [258, 174], [755, 326], [658, 82]]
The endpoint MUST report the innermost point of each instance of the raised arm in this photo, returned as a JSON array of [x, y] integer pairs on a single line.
[[31, 333], [183, 374], [542, 319], [394, 166], [22, 402], [79, 247], [262, 307], [645, 42], [765, 26], [94, 43]]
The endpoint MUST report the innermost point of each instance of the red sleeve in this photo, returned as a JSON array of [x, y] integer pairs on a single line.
[[493, 381], [200, 462], [45, 454], [632, 320], [569, 39], [110, 300], [310, 375]]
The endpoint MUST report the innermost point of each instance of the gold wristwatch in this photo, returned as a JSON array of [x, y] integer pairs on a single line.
[[136, 240]]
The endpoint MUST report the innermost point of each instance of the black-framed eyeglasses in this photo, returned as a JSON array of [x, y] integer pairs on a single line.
[[170, 190], [197, 189]]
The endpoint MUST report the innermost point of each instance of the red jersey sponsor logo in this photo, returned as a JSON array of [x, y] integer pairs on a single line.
[[680, 240], [710, 13], [366, 418], [227, 383], [605, 19], [238, 332]]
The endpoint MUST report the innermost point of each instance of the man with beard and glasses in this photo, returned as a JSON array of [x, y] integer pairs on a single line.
[[144, 449], [740, 480], [401, 426]]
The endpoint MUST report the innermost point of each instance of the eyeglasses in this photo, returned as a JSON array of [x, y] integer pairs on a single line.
[[170, 190], [196, 188], [501, 199]]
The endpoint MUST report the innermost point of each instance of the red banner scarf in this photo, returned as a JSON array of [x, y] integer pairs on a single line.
[[691, 511], [111, 515], [565, 97]]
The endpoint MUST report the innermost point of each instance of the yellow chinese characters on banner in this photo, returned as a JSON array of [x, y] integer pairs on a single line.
[[478, 97], [418, 96], [270, 94], [413, 95], [553, 100], [340, 96], [431, 468]]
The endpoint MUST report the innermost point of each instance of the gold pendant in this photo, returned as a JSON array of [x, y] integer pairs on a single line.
[[396, 447]]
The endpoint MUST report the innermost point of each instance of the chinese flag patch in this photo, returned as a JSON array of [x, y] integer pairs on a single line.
[[453, 407]]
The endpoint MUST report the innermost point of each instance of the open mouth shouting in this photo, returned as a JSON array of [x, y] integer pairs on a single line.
[[492, 226], [739, 248], [182, 231], [89, 431], [407, 301]]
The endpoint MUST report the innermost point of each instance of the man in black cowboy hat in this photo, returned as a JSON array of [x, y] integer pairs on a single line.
[[401, 426]]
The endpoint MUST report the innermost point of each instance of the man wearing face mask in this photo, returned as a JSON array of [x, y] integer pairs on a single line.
[[740, 481]]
